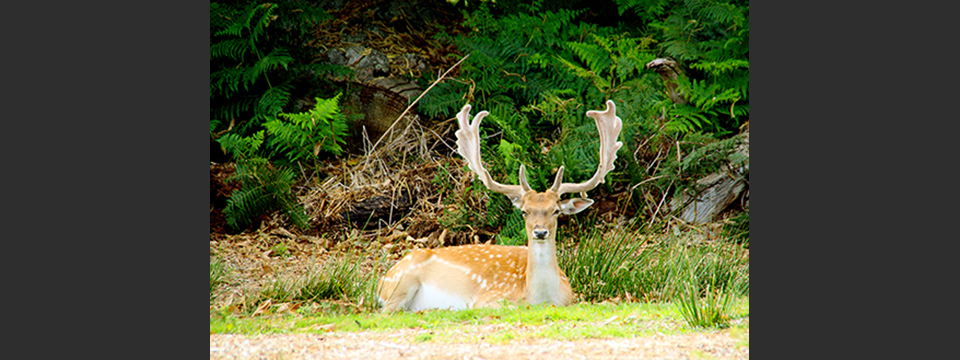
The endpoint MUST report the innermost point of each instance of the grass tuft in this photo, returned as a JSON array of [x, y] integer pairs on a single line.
[[602, 267], [712, 310], [218, 272]]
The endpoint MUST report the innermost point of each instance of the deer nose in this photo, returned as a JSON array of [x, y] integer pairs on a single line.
[[541, 234]]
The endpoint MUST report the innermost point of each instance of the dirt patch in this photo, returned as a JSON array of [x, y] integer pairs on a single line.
[[402, 344]]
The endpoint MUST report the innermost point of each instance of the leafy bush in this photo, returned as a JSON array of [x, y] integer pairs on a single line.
[[257, 56], [263, 187], [713, 37], [306, 134], [537, 82]]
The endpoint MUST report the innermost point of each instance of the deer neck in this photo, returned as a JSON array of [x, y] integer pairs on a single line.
[[543, 274]]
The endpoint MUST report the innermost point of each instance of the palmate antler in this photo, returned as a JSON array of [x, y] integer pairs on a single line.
[[468, 145], [609, 126]]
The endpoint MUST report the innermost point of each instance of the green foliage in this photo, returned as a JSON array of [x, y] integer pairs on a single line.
[[242, 147], [464, 216], [514, 229], [263, 187], [280, 250], [737, 228], [306, 134], [512, 66], [701, 154], [704, 295], [339, 278], [713, 37], [715, 265], [712, 310], [257, 56], [611, 62], [538, 67], [708, 105], [712, 157], [601, 267]]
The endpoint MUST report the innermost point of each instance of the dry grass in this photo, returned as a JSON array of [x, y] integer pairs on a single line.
[[413, 174]]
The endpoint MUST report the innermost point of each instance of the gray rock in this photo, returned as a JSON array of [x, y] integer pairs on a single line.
[[337, 57], [353, 54], [377, 61]]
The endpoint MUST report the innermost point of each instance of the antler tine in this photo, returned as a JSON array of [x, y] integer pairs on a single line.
[[468, 146], [609, 126]]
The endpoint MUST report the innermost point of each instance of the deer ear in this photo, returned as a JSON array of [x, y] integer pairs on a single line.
[[517, 201], [574, 205]]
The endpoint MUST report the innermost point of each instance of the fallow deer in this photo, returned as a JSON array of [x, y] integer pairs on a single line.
[[471, 276]]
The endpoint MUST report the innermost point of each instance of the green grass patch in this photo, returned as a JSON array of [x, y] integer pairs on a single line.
[[578, 321], [653, 267], [218, 273]]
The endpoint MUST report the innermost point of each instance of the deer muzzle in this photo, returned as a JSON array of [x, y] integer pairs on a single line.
[[540, 234]]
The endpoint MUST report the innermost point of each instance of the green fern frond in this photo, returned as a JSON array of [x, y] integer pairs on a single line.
[[262, 21], [294, 211], [646, 9], [336, 71], [604, 43], [213, 126], [245, 205], [601, 82], [274, 60], [305, 135], [738, 110], [308, 15], [724, 13], [710, 157], [241, 147], [240, 21], [273, 100], [263, 188], [226, 81], [717, 68], [234, 109], [233, 49], [446, 98], [597, 58], [683, 49]]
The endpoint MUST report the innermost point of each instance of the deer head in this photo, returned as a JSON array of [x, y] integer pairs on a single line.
[[541, 209]]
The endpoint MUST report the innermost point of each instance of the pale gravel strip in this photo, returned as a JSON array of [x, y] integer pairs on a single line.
[[400, 345]]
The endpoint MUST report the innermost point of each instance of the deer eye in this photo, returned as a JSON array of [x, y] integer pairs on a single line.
[[556, 212], [524, 213]]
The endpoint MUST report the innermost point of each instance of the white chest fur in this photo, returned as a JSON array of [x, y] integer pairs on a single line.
[[544, 281]]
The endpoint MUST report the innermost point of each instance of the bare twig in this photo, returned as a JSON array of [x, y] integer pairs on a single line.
[[654, 217], [374, 147], [634, 187], [645, 141]]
